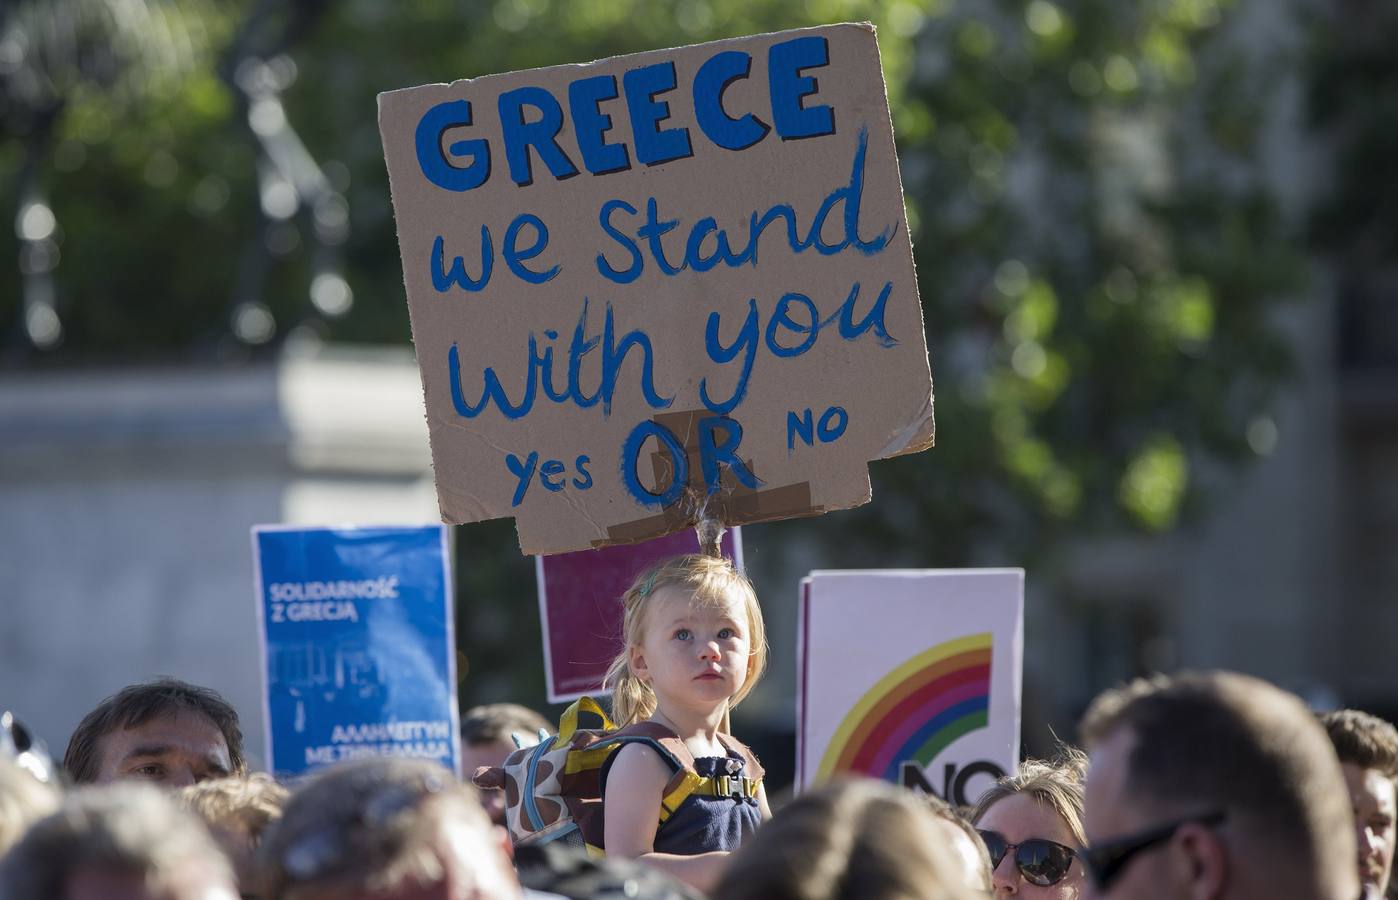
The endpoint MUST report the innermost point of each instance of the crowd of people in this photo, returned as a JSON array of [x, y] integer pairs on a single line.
[[1197, 785]]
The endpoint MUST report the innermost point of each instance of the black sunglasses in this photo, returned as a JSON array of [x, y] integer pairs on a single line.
[[1105, 860], [1042, 862]]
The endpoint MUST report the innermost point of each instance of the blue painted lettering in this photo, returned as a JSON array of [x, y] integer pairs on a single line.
[[514, 257], [579, 348], [851, 195], [443, 280], [632, 272], [653, 231], [714, 454], [550, 471], [654, 145], [799, 426], [541, 134], [524, 471], [553, 474], [435, 165], [492, 389], [584, 100], [445, 277], [746, 341], [545, 370], [757, 226], [832, 424], [789, 88], [630, 458], [583, 481], [693, 252], [650, 233], [532, 118], [713, 78], [849, 329], [781, 318], [539, 372], [614, 354]]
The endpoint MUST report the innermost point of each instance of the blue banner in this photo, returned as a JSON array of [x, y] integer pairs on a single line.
[[358, 645]]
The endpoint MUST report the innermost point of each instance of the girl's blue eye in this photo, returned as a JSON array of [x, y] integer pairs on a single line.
[[682, 634], [726, 633]]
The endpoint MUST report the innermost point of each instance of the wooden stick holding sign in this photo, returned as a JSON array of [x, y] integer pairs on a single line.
[[660, 287]]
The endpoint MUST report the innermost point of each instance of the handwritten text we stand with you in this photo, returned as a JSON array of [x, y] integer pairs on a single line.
[[531, 119]]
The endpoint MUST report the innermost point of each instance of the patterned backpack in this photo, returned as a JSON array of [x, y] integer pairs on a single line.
[[553, 791]]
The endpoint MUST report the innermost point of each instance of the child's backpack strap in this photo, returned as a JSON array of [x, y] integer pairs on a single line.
[[748, 784], [751, 767], [684, 780]]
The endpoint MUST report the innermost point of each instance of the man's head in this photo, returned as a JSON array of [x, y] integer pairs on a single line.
[[487, 738], [1368, 750], [1214, 785], [167, 731], [385, 829], [116, 842]]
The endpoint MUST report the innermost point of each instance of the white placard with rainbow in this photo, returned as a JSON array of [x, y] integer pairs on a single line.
[[912, 676]]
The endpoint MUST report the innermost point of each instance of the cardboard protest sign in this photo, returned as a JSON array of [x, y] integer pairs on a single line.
[[580, 605], [358, 645], [660, 287], [911, 676]]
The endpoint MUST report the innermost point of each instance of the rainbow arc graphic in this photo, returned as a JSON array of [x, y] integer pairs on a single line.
[[915, 711]]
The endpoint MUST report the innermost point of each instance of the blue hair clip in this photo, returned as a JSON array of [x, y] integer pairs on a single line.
[[647, 586]]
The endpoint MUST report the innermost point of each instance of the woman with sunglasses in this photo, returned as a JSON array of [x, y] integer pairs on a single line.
[[1032, 824]]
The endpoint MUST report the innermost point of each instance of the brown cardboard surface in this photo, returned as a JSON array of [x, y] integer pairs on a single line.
[[535, 331]]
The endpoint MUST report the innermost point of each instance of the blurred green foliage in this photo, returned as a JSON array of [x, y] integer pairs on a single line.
[[1099, 251]]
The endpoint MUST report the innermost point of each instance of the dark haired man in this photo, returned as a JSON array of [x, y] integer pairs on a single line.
[[165, 731], [1215, 786], [1368, 750]]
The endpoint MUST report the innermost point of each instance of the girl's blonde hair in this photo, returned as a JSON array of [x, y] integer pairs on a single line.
[[710, 580]]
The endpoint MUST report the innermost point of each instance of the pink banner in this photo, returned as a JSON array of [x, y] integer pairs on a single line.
[[580, 605]]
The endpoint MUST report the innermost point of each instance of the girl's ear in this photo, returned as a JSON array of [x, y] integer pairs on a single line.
[[637, 659]]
